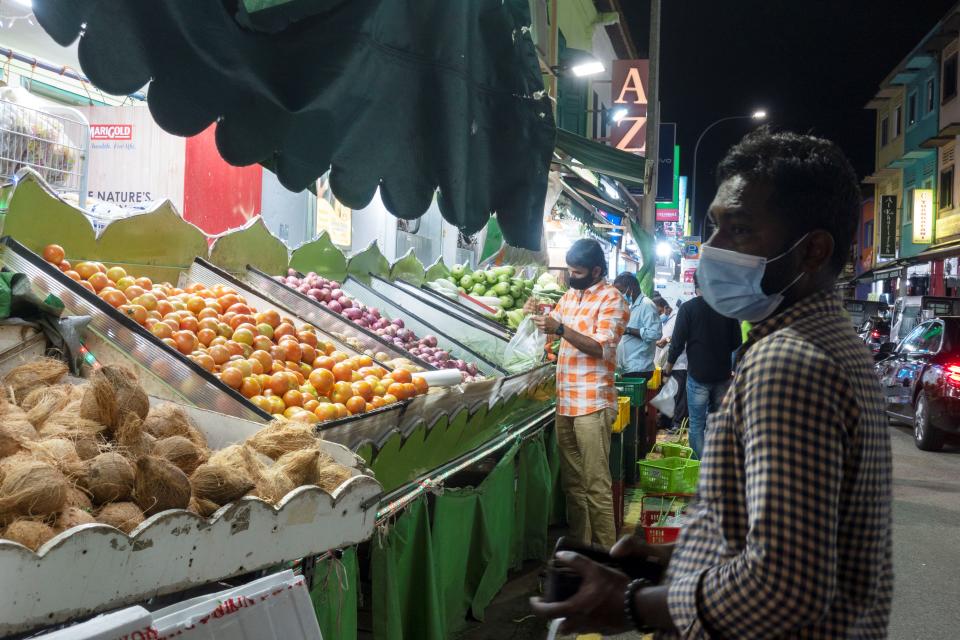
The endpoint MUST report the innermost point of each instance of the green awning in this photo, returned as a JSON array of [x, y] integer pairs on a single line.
[[408, 96], [620, 165]]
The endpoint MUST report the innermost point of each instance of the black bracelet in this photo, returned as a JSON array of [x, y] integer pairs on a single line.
[[630, 605]]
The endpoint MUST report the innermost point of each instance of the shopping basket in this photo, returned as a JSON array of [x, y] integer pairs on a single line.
[[623, 415], [669, 475], [674, 450], [654, 531], [633, 388]]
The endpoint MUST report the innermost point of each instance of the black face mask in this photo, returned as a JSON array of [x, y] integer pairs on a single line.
[[581, 283]]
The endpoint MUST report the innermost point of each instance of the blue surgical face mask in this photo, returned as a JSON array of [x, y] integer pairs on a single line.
[[664, 317], [730, 283]]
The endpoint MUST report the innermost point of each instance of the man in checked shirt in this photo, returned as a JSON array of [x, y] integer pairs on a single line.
[[790, 533], [590, 319]]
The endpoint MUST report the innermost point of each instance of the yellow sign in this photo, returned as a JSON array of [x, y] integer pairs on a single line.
[[332, 216], [922, 216]]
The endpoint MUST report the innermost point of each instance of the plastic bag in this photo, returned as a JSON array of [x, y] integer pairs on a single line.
[[526, 348], [665, 402]]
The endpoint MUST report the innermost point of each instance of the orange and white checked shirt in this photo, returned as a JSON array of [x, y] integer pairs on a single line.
[[585, 383]]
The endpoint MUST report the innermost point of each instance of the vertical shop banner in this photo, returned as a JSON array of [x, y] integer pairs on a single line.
[[689, 261], [132, 160], [888, 227], [667, 172], [630, 82], [922, 216], [332, 216]]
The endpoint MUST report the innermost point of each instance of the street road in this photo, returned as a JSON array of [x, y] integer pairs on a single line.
[[926, 536]]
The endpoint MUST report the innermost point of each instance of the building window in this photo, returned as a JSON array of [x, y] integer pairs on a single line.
[[912, 109], [946, 188], [909, 206], [897, 121], [885, 132], [931, 96], [949, 86]]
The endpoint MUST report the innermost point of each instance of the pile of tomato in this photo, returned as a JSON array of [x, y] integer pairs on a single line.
[[281, 368]]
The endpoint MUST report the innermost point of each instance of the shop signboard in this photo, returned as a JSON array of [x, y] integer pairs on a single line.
[[888, 227], [667, 170], [689, 261], [332, 216], [922, 216], [630, 81], [669, 211]]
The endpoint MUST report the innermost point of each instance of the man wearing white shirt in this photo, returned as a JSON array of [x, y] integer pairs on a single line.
[[679, 369]]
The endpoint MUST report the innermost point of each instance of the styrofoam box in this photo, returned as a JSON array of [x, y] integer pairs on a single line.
[[132, 622], [275, 607]]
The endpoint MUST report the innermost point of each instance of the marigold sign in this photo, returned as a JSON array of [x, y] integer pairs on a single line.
[[922, 216]]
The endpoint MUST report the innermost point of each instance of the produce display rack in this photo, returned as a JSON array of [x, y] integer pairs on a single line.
[[188, 379], [320, 316], [398, 307], [454, 307], [174, 551]]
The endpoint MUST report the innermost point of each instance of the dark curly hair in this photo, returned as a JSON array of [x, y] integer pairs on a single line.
[[587, 253], [814, 185]]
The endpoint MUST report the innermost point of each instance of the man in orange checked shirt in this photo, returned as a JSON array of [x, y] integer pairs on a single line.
[[590, 318]]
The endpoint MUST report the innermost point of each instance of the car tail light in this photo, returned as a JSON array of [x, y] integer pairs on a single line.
[[874, 334], [953, 375]]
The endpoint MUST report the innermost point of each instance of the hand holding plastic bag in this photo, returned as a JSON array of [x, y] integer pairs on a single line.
[[526, 348], [665, 402]]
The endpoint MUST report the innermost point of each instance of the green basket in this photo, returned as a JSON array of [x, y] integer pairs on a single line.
[[633, 388], [675, 450], [669, 475]]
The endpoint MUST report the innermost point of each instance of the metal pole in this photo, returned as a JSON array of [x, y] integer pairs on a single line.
[[696, 150], [648, 218]]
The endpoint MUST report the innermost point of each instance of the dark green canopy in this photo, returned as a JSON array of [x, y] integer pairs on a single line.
[[408, 95], [620, 165]]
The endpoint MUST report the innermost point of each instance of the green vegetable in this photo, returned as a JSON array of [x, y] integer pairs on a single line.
[[516, 291], [478, 290], [503, 278], [467, 281], [461, 290], [458, 271], [501, 288], [515, 317], [506, 302], [491, 277]]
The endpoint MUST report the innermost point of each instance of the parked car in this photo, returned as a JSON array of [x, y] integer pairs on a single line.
[[921, 380], [909, 311], [874, 332], [862, 310]]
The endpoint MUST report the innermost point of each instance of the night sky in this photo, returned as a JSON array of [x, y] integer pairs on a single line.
[[812, 65]]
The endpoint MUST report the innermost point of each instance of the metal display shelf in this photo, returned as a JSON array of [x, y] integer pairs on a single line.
[[323, 318], [454, 307], [394, 307], [485, 342], [191, 381]]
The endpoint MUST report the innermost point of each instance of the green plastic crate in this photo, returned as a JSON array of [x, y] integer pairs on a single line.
[[674, 450], [669, 475], [633, 388]]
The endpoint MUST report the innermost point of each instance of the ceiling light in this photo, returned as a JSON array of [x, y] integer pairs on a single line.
[[588, 68], [759, 115], [664, 250]]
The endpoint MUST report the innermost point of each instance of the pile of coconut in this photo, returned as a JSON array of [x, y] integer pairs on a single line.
[[96, 452]]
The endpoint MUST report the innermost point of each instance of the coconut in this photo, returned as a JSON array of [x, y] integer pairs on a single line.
[[88, 448], [13, 435], [201, 507], [331, 476], [274, 485], [283, 436], [68, 423], [112, 394], [72, 517], [125, 516], [30, 533], [181, 452], [110, 478], [219, 485], [61, 453], [133, 441], [168, 420], [32, 488], [240, 458], [40, 372], [300, 466], [18, 459], [77, 498], [43, 402], [160, 485]]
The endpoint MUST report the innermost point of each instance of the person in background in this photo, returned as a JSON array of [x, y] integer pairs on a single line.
[[638, 346], [663, 307], [791, 536], [679, 370], [709, 340], [589, 319]]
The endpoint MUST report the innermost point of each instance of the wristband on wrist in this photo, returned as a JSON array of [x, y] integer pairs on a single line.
[[560, 329], [630, 605]]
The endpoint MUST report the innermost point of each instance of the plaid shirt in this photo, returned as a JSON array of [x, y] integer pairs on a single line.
[[584, 383], [790, 537]]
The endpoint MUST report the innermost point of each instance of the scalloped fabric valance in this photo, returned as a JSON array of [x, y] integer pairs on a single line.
[[408, 95]]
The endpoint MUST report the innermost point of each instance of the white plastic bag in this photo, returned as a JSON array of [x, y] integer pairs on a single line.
[[526, 348], [665, 402]]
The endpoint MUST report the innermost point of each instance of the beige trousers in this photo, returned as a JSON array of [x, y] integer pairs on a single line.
[[584, 443]]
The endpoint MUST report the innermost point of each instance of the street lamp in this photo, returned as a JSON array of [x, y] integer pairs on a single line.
[[759, 114], [579, 63]]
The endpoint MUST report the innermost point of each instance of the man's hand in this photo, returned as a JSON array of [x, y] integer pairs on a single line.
[[597, 606], [547, 324], [530, 306], [636, 548], [667, 370], [662, 342]]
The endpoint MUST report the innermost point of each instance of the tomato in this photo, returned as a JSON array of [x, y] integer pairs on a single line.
[[322, 380], [307, 353], [401, 375], [276, 405], [389, 398], [255, 366], [186, 341], [356, 405], [189, 323], [86, 269], [54, 253], [397, 390], [377, 402], [205, 361], [270, 317], [134, 311], [420, 384], [342, 411], [311, 405], [362, 389], [243, 365], [250, 387], [284, 329], [339, 356], [116, 273], [293, 398], [263, 357], [280, 383], [219, 353], [409, 390], [170, 342], [343, 371], [308, 337], [206, 336], [196, 304], [324, 362], [342, 391], [98, 280], [146, 283], [148, 300], [326, 411], [292, 351], [262, 402], [115, 298], [133, 291], [234, 348], [364, 361], [64, 266]]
